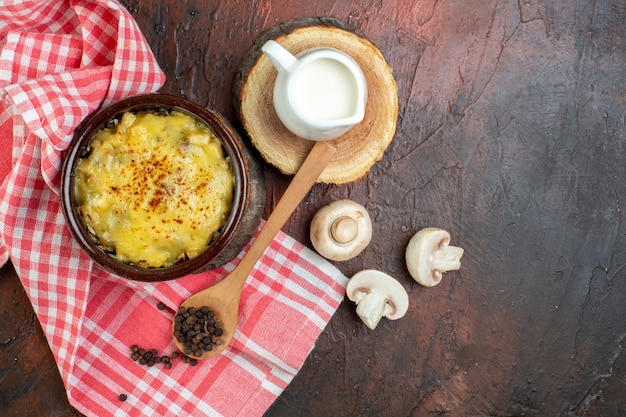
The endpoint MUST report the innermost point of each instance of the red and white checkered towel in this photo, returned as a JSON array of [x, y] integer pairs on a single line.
[[60, 61]]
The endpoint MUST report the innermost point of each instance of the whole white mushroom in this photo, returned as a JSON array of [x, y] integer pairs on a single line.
[[341, 230], [377, 295], [429, 254]]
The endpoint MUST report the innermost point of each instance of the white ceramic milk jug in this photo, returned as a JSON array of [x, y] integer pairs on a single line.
[[318, 95]]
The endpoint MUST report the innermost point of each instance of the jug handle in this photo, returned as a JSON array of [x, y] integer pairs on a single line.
[[281, 58]]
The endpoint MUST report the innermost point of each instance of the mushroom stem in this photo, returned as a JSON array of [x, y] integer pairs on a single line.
[[372, 308], [344, 230], [447, 258]]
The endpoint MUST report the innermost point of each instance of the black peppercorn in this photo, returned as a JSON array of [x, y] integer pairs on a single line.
[[123, 397], [150, 357], [198, 330]]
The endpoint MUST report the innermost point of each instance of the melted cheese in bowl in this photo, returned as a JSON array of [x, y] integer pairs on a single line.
[[155, 189]]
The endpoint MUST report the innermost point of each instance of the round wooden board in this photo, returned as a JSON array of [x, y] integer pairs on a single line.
[[357, 150]]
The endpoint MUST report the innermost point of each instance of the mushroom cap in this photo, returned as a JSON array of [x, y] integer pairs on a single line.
[[341, 230], [364, 282], [420, 255]]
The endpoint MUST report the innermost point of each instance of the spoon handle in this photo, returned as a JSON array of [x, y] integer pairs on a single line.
[[308, 173]]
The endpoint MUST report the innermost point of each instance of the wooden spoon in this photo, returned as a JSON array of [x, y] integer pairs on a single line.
[[223, 298]]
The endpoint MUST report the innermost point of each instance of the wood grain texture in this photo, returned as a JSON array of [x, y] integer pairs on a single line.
[[359, 148], [511, 136]]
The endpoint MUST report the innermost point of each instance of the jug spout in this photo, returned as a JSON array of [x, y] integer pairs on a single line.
[[279, 56]]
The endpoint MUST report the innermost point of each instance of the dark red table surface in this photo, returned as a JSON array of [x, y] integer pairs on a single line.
[[512, 136]]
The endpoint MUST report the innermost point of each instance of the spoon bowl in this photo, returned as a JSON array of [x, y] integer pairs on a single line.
[[224, 312], [224, 297]]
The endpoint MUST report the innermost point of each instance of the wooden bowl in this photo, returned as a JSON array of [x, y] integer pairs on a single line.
[[84, 133]]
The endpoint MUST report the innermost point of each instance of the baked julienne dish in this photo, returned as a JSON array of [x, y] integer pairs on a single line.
[[154, 187]]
